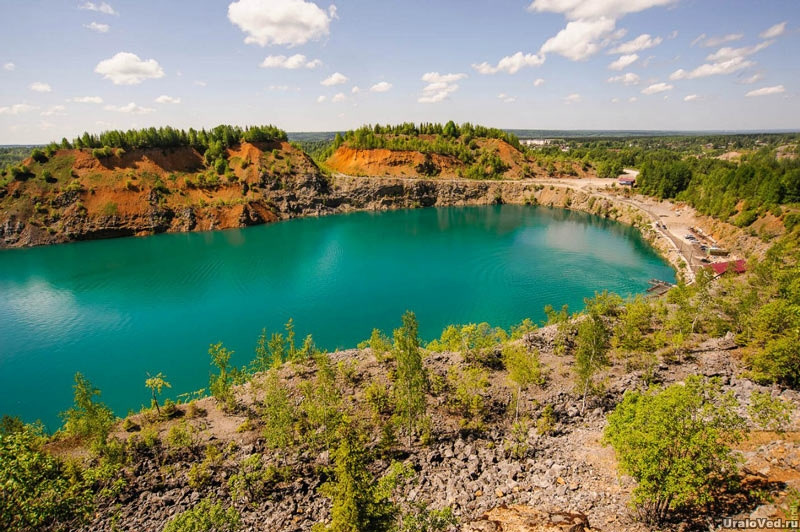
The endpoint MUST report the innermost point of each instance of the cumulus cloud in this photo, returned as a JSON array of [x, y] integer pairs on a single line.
[[510, 64], [283, 22], [17, 109], [580, 39], [38, 86], [336, 78], [572, 98], [629, 78], [709, 42], [624, 61], [87, 99], [199, 83], [766, 91], [102, 7], [383, 86], [54, 110], [130, 108], [633, 99], [9, 66], [727, 53], [505, 98], [655, 88], [690, 98], [339, 97], [292, 62], [126, 68], [614, 100], [321, 99], [538, 82], [439, 86], [713, 69], [99, 28], [167, 99], [583, 9], [774, 31], [642, 42], [355, 90]]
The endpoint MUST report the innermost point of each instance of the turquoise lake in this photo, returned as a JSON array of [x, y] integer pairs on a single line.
[[117, 309]]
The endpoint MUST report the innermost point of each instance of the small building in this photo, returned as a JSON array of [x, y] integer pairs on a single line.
[[738, 267], [626, 181]]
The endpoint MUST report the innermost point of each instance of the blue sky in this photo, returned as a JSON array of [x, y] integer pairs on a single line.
[[71, 66]]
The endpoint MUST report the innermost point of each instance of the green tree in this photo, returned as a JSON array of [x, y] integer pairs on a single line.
[[411, 379], [524, 369], [156, 384], [676, 443], [87, 418], [591, 352], [322, 402], [278, 413], [221, 384]]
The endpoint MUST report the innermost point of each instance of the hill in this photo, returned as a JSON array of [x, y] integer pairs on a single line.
[[440, 151], [81, 191]]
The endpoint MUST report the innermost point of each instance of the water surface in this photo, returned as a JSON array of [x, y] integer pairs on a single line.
[[117, 309]]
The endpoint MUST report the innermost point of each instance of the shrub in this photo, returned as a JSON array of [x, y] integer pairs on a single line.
[[205, 516], [467, 395], [181, 436], [38, 155], [200, 474], [254, 480], [221, 384], [547, 421], [676, 443], [37, 491], [278, 413], [769, 413], [87, 418]]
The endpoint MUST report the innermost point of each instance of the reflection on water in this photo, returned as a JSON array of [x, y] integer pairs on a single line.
[[117, 309]]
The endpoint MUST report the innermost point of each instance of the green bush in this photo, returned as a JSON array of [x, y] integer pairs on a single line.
[[205, 516], [676, 443], [36, 490], [87, 418]]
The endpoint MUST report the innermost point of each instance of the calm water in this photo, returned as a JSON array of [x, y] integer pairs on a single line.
[[117, 309]]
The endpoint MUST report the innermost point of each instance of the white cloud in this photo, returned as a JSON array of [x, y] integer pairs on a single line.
[[102, 7], [54, 110], [126, 68], [9, 66], [130, 108], [339, 97], [278, 87], [383, 86], [584, 9], [167, 99], [655, 88], [292, 62], [579, 40], [284, 22], [633, 99], [38, 86], [321, 99], [334, 79], [624, 61], [713, 69], [505, 98], [87, 99], [709, 42], [199, 83], [538, 82], [774, 31], [727, 53], [614, 100], [690, 98], [355, 90], [572, 98], [672, 35], [99, 28], [17, 109], [752, 79], [642, 42], [439, 86], [629, 78], [510, 64], [766, 91]]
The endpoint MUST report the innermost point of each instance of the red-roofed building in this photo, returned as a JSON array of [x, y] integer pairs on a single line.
[[737, 267], [627, 181]]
